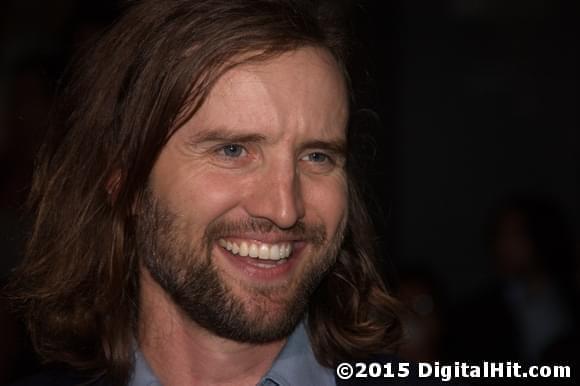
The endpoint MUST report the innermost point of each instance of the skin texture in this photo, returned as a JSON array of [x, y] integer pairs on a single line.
[[261, 161]]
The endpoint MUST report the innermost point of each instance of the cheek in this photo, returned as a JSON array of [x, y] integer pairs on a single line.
[[196, 195], [327, 200]]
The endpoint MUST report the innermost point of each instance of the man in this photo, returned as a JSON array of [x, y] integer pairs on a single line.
[[197, 221]]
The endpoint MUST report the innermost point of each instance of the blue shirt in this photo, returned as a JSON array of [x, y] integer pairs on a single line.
[[294, 366]]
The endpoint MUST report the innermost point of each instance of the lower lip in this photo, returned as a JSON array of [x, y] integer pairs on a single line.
[[249, 266]]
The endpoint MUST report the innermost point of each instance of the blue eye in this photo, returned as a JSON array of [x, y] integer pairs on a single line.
[[232, 150], [318, 157]]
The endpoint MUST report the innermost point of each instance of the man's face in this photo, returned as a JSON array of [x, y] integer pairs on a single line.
[[247, 202]]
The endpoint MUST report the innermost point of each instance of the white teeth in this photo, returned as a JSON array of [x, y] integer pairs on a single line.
[[262, 251], [275, 252], [253, 250], [243, 249]]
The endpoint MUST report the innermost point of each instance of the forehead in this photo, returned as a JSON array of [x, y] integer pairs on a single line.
[[302, 90]]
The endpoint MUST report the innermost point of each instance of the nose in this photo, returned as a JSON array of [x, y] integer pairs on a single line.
[[277, 196]]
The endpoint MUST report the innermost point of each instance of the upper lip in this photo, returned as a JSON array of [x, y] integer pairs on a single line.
[[266, 238]]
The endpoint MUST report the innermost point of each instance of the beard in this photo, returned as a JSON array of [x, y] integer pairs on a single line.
[[181, 263]]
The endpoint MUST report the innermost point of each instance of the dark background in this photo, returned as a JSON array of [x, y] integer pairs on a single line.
[[477, 101]]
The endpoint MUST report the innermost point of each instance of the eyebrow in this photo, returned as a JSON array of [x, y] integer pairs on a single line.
[[225, 135], [335, 146]]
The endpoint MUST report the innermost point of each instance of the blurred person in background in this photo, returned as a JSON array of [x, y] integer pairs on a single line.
[[532, 308]]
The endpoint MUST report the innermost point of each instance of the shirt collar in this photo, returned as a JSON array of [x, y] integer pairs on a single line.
[[295, 365], [142, 373]]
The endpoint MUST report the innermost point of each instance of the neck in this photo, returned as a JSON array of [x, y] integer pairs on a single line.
[[181, 352]]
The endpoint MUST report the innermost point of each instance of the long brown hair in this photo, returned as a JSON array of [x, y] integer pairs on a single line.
[[147, 75]]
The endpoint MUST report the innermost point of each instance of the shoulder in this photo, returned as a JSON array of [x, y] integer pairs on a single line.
[[387, 370], [59, 378]]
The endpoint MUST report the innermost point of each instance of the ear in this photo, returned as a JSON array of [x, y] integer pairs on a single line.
[[113, 185]]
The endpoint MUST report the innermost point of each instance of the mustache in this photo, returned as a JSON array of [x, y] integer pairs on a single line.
[[314, 233]]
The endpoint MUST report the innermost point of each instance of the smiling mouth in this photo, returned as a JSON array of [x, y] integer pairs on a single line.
[[258, 251]]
